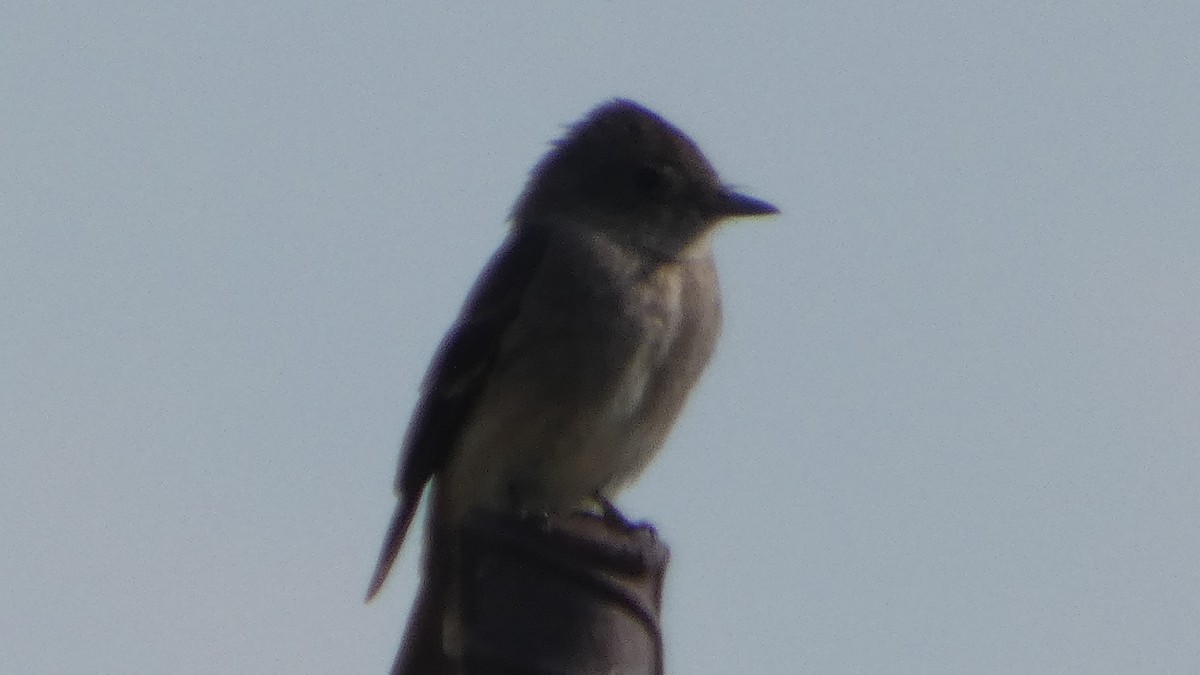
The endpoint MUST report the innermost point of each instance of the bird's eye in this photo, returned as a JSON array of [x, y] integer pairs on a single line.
[[650, 180]]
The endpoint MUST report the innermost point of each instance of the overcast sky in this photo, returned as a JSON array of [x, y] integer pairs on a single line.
[[953, 425]]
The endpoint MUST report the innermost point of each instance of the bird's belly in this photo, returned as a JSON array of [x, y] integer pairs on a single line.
[[526, 452], [580, 402]]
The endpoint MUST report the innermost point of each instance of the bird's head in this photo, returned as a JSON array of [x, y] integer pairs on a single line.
[[625, 170]]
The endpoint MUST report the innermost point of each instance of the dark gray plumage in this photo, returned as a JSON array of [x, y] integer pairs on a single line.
[[575, 351]]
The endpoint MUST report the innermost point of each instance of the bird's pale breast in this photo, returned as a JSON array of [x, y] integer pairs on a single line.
[[582, 397]]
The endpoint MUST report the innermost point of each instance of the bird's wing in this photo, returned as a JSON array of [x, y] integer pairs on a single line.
[[456, 377]]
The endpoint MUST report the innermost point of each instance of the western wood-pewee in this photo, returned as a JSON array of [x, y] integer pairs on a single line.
[[574, 352]]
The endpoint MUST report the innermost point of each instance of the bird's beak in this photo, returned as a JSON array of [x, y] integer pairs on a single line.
[[730, 203]]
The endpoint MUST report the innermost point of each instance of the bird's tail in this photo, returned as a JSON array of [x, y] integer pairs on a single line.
[[401, 520]]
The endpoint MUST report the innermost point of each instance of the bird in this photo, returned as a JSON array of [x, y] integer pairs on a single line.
[[574, 351]]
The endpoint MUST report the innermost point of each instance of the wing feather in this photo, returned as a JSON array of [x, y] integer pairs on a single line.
[[458, 374]]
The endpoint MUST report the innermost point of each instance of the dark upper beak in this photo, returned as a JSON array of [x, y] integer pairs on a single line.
[[730, 203]]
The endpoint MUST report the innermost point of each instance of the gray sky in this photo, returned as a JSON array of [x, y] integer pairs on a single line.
[[952, 426]]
